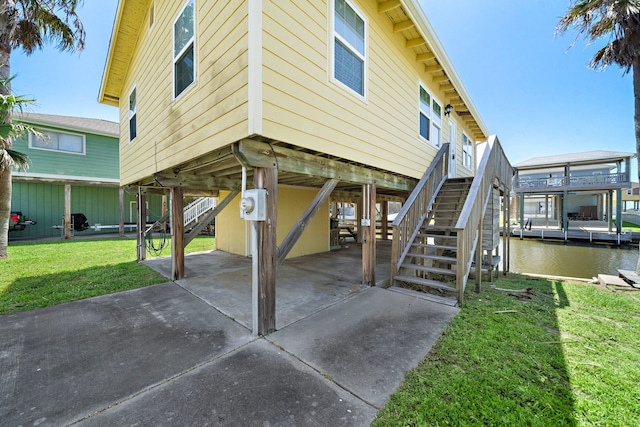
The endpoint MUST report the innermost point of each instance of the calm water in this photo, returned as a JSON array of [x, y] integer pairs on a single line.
[[571, 260]]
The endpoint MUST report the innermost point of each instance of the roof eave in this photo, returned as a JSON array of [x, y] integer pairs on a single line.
[[103, 97], [428, 33]]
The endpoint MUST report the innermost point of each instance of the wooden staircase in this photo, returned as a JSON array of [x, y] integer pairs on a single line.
[[430, 264]]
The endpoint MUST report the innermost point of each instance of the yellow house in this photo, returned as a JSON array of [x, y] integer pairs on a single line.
[[354, 97]]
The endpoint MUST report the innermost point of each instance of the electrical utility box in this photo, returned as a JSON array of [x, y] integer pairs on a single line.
[[253, 205]]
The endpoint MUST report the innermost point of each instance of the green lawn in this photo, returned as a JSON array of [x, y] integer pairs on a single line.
[[570, 355], [39, 274]]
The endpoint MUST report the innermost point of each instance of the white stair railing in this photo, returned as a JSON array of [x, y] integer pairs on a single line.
[[197, 208]]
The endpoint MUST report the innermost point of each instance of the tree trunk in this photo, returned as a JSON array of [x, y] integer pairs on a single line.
[[7, 22], [636, 119]]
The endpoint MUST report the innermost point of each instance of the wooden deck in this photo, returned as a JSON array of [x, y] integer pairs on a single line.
[[577, 234]]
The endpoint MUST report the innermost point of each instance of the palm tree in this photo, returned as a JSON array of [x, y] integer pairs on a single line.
[[617, 22], [28, 24]]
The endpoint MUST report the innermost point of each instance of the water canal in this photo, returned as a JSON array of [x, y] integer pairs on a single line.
[[570, 259]]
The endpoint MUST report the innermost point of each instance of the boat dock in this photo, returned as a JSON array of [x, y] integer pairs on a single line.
[[580, 231]]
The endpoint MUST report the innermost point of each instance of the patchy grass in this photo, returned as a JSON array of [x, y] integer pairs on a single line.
[[44, 273], [570, 355]]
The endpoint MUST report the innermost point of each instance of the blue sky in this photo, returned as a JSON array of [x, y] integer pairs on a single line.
[[535, 93]]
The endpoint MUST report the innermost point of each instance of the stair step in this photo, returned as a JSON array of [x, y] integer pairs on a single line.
[[426, 282], [449, 259], [435, 236], [436, 270], [446, 247]]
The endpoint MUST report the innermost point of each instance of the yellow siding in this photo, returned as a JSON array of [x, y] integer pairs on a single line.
[[292, 202], [303, 106], [231, 230], [210, 114]]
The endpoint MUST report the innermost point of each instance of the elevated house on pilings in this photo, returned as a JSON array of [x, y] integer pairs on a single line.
[[290, 107], [576, 186]]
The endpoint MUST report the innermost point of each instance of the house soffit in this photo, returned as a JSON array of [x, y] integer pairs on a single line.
[[126, 27], [409, 20]]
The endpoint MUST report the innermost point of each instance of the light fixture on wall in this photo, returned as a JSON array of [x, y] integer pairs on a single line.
[[448, 109]]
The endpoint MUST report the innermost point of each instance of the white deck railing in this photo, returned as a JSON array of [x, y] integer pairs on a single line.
[[197, 208]]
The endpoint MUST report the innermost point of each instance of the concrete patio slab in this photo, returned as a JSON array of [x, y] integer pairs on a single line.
[[64, 362], [368, 343], [257, 385]]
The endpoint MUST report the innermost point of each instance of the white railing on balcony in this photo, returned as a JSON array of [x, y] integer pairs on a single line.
[[571, 181], [197, 208]]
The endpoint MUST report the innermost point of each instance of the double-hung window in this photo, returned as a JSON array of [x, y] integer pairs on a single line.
[[349, 49], [430, 117], [133, 121], [467, 152], [58, 141], [184, 35]]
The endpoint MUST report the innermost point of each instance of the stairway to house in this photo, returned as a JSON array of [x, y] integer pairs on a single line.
[[196, 210], [430, 264]]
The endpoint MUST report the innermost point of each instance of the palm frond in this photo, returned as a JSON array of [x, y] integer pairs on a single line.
[[13, 159], [615, 21], [40, 21]]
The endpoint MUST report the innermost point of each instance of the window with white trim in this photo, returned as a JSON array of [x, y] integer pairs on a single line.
[[133, 117], [59, 141], [349, 47], [430, 117], [184, 35], [467, 152]]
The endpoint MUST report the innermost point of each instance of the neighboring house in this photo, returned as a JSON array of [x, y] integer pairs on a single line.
[[631, 197], [82, 155], [576, 186], [354, 97]]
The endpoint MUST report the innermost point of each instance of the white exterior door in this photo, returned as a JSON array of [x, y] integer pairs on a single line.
[[452, 148]]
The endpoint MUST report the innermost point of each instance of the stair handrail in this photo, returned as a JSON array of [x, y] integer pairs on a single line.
[[494, 171], [198, 207], [414, 211]]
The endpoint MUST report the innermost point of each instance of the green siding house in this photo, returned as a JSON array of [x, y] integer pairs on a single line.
[[82, 154]]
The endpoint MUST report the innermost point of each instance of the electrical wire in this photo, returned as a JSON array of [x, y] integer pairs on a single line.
[[152, 247]]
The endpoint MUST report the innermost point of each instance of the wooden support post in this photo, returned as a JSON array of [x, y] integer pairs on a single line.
[[565, 213], [141, 223], [264, 256], [610, 211], [296, 231], [121, 211], [358, 217], [164, 212], [67, 211], [521, 211], [479, 256], [177, 233], [506, 236], [368, 225], [619, 210], [385, 222]]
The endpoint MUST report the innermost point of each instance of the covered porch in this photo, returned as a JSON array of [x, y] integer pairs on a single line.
[[304, 285]]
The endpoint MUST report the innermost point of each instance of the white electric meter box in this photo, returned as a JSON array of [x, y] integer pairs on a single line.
[[253, 205]]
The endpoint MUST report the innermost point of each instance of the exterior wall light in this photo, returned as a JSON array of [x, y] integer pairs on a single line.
[[448, 109]]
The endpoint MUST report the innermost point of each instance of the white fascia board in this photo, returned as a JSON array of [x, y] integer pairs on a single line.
[[66, 177], [417, 15], [255, 67]]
